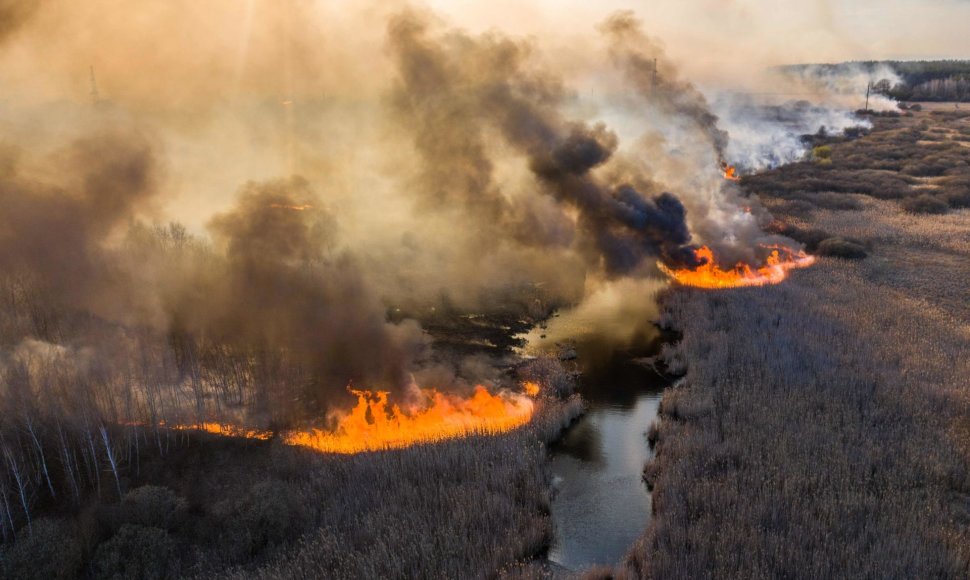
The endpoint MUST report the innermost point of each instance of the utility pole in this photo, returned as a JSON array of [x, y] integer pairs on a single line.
[[868, 86], [94, 88]]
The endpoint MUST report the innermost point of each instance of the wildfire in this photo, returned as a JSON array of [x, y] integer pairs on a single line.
[[225, 430], [729, 171], [375, 424], [530, 388], [303, 207], [710, 275]]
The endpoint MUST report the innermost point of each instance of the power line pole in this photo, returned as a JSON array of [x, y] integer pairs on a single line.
[[868, 86]]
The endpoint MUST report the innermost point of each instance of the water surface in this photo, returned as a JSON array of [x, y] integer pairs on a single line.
[[602, 505]]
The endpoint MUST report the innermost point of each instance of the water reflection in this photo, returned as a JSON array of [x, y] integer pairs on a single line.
[[602, 504]]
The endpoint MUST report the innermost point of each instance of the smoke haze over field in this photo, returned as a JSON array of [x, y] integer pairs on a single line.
[[332, 163]]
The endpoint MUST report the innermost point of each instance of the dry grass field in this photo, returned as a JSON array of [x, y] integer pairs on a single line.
[[823, 427], [231, 508]]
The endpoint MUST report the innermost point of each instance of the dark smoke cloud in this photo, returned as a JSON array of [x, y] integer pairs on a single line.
[[276, 294], [439, 100], [506, 198], [488, 84], [626, 226], [656, 78], [285, 289], [14, 14], [54, 225]]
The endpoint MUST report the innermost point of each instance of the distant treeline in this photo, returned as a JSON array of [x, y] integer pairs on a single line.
[[921, 80]]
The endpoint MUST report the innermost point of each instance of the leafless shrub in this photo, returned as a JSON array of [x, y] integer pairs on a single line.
[[137, 552], [149, 506], [925, 203], [838, 247], [51, 549], [673, 358]]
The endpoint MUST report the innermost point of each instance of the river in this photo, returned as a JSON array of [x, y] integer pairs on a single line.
[[601, 503]]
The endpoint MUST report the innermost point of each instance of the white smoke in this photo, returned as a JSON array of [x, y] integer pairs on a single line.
[[768, 135]]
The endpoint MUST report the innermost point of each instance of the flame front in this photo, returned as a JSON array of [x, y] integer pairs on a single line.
[[375, 424], [224, 429], [710, 275]]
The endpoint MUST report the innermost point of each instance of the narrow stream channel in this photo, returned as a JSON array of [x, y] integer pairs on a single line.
[[602, 504]]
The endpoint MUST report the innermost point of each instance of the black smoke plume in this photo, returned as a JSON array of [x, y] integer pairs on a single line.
[[274, 304], [656, 79], [284, 288], [53, 226], [14, 14], [488, 85]]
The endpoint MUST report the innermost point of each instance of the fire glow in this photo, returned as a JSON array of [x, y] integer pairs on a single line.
[[710, 275], [302, 207], [729, 171], [375, 424]]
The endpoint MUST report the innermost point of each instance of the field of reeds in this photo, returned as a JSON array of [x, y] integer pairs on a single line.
[[822, 429]]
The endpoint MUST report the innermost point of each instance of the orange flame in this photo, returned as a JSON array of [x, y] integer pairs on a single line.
[[303, 207], [729, 171], [530, 388], [374, 424], [224, 429], [710, 275]]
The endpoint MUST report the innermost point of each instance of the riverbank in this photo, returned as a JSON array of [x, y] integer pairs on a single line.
[[601, 505], [242, 508], [828, 415]]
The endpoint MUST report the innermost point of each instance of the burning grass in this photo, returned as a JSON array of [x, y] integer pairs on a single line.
[[374, 424], [729, 172], [711, 275], [824, 416], [213, 499]]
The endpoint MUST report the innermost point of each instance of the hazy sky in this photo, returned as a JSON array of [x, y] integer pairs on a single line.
[[228, 43], [707, 34], [215, 77]]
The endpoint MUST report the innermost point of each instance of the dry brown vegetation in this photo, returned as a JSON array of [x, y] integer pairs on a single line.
[[204, 505], [922, 161], [93, 485], [823, 427]]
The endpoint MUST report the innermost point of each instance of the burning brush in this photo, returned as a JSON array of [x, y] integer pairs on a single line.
[[375, 424], [710, 275], [729, 171]]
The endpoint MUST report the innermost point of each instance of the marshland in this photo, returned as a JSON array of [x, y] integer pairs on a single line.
[[302, 289]]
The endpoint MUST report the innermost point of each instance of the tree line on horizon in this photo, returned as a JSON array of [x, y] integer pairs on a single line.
[[922, 80]]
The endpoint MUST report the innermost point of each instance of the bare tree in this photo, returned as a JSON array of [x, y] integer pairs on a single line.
[[18, 477], [109, 452]]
